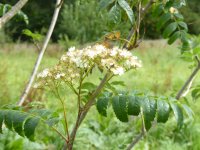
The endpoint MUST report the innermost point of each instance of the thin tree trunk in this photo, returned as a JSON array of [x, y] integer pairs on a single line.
[[41, 54], [188, 83], [14, 10]]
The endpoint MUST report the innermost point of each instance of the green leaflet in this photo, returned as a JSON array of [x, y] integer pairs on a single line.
[[163, 20], [134, 105], [52, 121], [51, 118], [23, 16], [195, 93], [102, 105], [183, 25], [34, 36], [18, 121], [125, 6], [179, 16], [163, 110], [5, 8], [105, 3], [114, 14], [119, 104], [177, 113], [149, 111], [8, 117], [174, 37], [170, 29], [188, 111], [29, 127]]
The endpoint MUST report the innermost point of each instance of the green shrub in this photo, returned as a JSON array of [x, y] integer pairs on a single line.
[[82, 21]]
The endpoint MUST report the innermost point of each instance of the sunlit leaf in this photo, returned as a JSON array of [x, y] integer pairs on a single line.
[[170, 29]]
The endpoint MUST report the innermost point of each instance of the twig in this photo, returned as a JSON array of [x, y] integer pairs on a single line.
[[37, 45], [133, 31], [39, 59], [146, 8], [64, 112], [60, 134], [12, 12], [136, 140]]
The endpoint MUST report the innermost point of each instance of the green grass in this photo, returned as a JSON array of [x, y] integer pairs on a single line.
[[163, 73]]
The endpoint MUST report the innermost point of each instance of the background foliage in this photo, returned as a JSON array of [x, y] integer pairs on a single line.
[[86, 16]]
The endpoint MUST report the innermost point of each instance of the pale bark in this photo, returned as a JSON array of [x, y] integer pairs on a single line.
[[187, 85], [11, 13], [41, 54]]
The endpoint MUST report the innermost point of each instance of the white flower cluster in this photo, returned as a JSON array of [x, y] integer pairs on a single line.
[[77, 62]]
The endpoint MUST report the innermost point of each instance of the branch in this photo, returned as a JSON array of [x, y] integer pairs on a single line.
[[137, 139], [188, 83], [40, 56], [82, 113], [11, 13]]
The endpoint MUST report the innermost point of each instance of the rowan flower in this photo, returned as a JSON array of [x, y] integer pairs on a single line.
[[125, 53], [72, 49], [78, 62], [118, 71], [113, 52], [91, 54], [44, 73], [59, 75]]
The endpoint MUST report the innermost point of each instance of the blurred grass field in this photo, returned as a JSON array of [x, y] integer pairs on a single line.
[[163, 72]]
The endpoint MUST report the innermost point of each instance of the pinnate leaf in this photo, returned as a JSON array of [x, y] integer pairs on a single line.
[[25, 123]]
